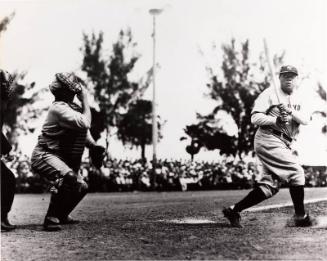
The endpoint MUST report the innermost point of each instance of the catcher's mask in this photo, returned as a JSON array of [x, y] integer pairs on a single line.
[[66, 82]]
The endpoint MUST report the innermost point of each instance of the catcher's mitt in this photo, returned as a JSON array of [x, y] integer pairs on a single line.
[[97, 154]]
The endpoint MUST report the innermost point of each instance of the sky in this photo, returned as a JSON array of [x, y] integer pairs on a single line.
[[45, 36]]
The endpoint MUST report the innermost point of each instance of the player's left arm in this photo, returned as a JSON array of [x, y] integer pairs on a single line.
[[300, 117], [301, 113], [262, 104]]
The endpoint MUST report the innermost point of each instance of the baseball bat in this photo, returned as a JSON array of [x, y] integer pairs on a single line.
[[271, 69], [273, 77]]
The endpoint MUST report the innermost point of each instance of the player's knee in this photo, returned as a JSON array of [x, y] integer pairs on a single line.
[[268, 191], [298, 179], [69, 181], [83, 187], [70, 177], [73, 184]]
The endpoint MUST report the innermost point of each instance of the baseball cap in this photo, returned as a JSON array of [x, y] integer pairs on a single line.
[[288, 69]]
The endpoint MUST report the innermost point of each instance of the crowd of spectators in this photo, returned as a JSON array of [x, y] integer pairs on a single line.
[[131, 175], [120, 175]]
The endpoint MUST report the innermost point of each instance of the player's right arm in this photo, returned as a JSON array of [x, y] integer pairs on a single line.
[[82, 96], [66, 117], [262, 119], [69, 118], [262, 104]]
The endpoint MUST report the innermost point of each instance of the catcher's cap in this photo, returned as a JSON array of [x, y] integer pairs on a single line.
[[288, 69], [68, 81]]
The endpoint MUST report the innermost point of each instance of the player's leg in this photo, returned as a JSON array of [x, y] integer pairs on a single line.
[[297, 181], [53, 170], [297, 195], [8, 184], [283, 163], [77, 191], [268, 185], [267, 188], [69, 194], [233, 213], [253, 198]]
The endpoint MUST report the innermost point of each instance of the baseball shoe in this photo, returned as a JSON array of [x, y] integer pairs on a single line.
[[305, 221], [6, 226], [68, 221], [51, 224], [233, 217]]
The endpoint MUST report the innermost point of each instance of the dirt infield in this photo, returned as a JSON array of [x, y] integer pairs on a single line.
[[174, 225]]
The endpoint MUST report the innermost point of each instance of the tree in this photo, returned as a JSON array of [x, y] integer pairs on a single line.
[[202, 135], [235, 90], [5, 21], [323, 96], [20, 111], [193, 148], [109, 79], [135, 128]]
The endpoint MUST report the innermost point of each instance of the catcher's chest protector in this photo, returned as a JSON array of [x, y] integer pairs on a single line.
[[72, 144], [68, 144], [71, 147]]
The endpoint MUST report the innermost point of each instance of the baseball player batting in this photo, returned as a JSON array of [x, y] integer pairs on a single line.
[[278, 116]]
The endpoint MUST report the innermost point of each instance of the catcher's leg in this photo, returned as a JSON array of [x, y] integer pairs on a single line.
[[59, 201], [54, 171], [78, 192]]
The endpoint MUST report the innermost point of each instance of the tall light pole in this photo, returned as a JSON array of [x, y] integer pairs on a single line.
[[154, 13]]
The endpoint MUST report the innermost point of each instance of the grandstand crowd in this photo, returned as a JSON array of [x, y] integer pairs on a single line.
[[136, 175]]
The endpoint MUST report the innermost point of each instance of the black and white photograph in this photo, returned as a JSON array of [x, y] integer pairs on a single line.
[[163, 130]]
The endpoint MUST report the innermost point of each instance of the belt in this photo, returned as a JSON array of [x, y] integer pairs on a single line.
[[278, 133]]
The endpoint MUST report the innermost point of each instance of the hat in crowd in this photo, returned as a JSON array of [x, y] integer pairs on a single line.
[[288, 69], [6, 81], [68, 81]]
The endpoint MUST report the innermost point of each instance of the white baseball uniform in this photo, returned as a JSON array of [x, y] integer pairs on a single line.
[[272, 142]]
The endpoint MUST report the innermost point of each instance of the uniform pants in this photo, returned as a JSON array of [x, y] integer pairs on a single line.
[[55, 171], [277, 163]]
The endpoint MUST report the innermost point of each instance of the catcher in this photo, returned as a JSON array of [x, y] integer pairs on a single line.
[[57, 155], [278, 124]]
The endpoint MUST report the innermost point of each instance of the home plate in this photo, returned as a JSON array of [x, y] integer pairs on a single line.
[[189, 221]]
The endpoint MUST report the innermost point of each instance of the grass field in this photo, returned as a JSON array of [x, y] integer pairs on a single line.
[[172, 225]]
